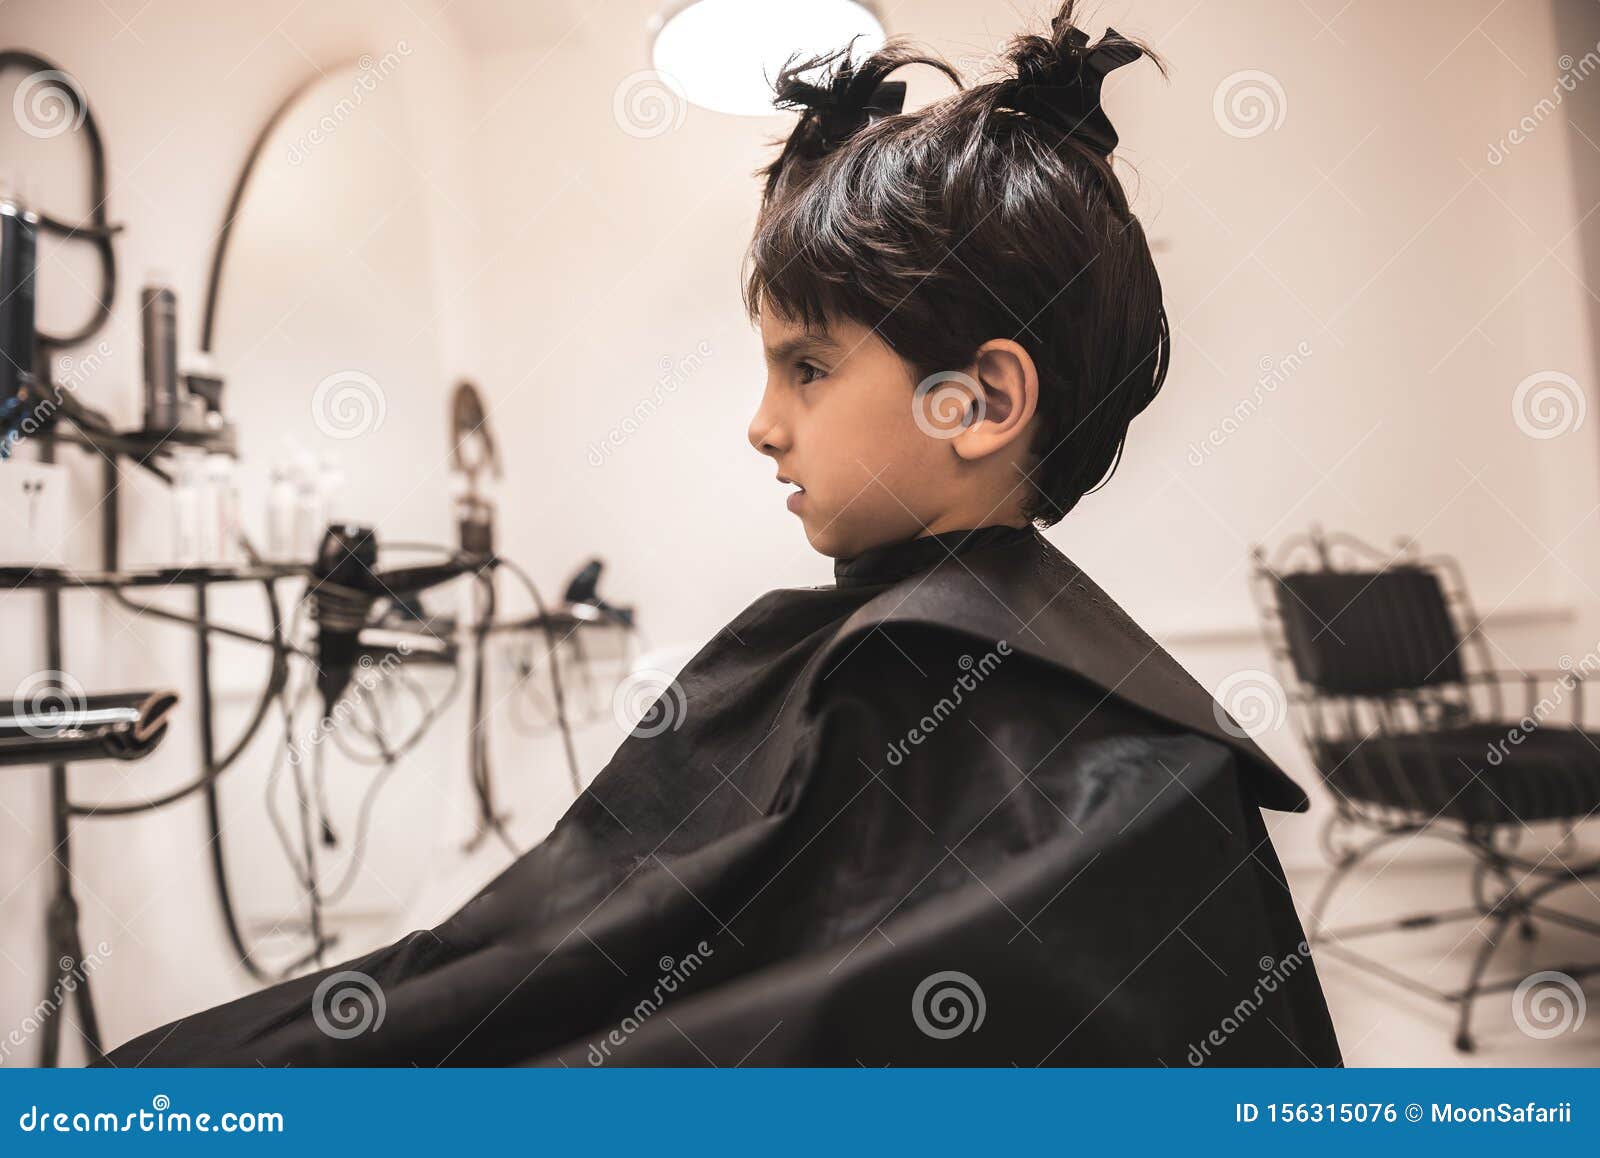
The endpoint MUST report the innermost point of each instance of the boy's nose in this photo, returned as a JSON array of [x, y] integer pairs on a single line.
[[765, 433]]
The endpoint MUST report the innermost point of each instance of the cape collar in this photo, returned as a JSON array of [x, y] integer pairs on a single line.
[[1028, 593], [893, 562]]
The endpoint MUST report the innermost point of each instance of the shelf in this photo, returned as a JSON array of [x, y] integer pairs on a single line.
[[37, 578], [144, 444]]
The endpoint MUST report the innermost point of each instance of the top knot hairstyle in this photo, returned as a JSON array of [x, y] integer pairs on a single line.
[[991, 213]]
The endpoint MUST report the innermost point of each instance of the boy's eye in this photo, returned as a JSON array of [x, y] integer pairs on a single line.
[[809, 372]]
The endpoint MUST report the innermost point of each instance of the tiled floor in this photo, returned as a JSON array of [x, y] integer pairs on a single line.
[[1382, 1024]]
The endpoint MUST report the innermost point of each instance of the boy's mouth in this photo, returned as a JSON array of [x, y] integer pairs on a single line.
[[797, 497]]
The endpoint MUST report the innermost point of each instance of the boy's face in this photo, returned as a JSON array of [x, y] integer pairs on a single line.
[[837, 418]]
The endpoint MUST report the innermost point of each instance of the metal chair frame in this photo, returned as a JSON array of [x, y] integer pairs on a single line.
[[1327, 721]]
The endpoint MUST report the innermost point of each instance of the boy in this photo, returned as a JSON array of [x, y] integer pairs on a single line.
[[956, 808]]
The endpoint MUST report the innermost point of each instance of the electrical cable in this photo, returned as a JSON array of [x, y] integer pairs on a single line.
[[556, 689], [97, 230], [277, 678], [219, 866]]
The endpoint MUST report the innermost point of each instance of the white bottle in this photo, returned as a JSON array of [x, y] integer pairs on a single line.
[[186, 485], [331, 494], [222, 509], [310, 518], [282, 508]]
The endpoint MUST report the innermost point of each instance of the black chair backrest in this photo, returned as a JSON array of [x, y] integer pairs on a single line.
[[1369, 632]]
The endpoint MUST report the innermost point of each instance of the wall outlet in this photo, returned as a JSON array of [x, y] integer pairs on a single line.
[[33, 513]]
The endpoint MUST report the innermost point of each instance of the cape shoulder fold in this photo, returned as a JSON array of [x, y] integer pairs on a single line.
[[1046, 607]]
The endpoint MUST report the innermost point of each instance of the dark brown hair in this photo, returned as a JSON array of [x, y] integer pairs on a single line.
[[970, 219]]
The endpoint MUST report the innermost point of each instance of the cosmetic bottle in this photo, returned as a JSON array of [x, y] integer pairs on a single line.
[[282, 506], [158, 316], [331, 492], [310, 519], [222, 508], [187, 481]]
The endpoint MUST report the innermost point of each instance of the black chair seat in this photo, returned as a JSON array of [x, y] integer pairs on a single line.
[[1553, 774]]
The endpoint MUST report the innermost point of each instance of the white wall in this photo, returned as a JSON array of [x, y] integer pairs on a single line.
[[576, 259]]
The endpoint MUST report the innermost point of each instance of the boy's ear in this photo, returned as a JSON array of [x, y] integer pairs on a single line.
[[1005, 374]]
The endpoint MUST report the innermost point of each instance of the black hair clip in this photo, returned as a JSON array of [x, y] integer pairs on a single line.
[[1064, 90]]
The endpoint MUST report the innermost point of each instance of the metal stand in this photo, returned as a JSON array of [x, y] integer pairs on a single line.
[[63, 937], [1517, 905], [63, 941]]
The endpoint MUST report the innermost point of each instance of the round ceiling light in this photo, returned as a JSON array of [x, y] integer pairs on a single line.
[[724, 54]]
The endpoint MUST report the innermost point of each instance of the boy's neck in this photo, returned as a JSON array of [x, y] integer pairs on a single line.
[[967, 522]]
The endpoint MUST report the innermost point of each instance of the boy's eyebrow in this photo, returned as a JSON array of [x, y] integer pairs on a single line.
[[786, 350]]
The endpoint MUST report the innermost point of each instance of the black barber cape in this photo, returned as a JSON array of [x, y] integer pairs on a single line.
[[957, 809]]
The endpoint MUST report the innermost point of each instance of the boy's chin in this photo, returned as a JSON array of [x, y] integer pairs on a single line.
[[837, 542]]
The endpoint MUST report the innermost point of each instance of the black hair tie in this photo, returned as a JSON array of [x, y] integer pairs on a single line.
[[1064, 91]]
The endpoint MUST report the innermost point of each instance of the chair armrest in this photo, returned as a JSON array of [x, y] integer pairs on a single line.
[[1541, 686]]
